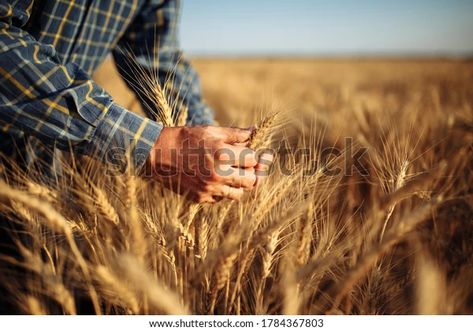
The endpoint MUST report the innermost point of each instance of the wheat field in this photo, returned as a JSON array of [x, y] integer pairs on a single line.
[[367, 209]]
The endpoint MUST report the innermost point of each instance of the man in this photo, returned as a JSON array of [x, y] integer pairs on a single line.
[[48, 51], [48, 102]]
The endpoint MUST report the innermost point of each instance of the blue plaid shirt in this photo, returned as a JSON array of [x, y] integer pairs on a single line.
[[50, 48]]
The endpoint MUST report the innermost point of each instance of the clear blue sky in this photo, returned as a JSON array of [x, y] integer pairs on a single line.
[[325, 27]]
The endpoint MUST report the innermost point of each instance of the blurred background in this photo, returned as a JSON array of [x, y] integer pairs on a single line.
[[317, 57], [328, 28]]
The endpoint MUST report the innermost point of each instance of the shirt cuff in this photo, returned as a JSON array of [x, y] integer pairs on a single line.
[[122, 136]]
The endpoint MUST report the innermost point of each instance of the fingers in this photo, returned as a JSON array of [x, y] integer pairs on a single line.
[[238, 156], [240, 177], [235, 135], [208, 199], [219, 193], [201, 198], [232, 169], [232, 192]]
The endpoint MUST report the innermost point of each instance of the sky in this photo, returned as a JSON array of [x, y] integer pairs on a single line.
[[327, 27]]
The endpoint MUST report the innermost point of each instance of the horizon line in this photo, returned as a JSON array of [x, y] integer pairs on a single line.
[[361, 54]]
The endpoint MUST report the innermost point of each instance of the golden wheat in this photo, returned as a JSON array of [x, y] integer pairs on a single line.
[[316, 238]]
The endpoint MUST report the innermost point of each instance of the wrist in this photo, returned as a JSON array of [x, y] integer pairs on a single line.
[[163, 153]]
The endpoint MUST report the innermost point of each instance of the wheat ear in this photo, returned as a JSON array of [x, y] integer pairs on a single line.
[[165, 111], [105, 208], [261, 135]]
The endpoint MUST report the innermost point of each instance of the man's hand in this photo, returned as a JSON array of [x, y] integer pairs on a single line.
[[208, 163]]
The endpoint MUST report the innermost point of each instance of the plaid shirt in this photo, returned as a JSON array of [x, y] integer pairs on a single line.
[[50, 48]]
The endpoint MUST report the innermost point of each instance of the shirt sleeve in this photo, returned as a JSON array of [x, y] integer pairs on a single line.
[[58, 102], [152, 39]]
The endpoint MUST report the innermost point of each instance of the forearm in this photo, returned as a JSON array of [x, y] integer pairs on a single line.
[[155, 50]]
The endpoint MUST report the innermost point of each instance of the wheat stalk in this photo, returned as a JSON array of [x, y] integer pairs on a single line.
[[34, 307], [118, 288], [398, 185], [182, 116], [370, 257], [161, 298], [295, 246]]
